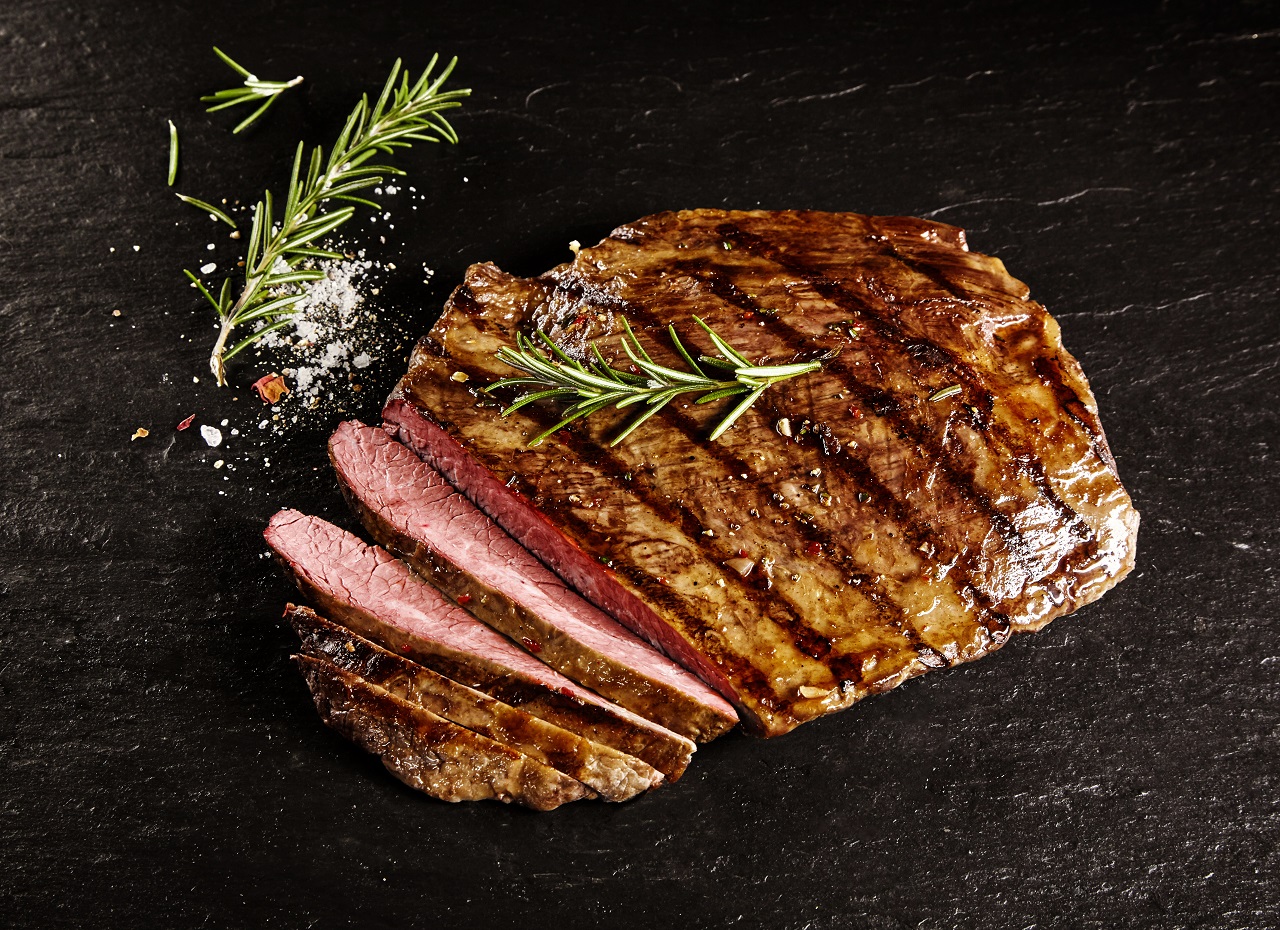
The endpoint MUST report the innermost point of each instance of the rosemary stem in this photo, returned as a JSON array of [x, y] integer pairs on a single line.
[[216, 364]]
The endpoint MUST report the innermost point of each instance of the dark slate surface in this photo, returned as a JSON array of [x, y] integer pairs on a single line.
[[161, 763]]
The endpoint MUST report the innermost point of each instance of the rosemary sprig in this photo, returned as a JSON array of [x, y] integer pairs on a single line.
[[599, 385], [252, 90], [280, 244]]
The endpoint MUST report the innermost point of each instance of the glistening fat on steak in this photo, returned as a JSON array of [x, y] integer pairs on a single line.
[[942, 482], [373, 593], [426, 751], [614, 775], [412, 511]]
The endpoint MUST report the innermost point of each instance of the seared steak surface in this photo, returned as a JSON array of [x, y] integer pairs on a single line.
[[887, 522]]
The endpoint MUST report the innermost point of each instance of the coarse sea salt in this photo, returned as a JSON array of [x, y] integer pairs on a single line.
[[211, 435]]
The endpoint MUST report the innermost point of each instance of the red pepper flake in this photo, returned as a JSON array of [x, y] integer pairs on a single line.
[[187, 422], [742, 553], [404, 647], [662, 580], [855, 412], [748, 315], [464, 600], [529, 644], [813, 548], [271, 388]]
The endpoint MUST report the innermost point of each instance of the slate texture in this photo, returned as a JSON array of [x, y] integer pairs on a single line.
[[160, 762]]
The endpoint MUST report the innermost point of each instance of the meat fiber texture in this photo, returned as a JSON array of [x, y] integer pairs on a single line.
[[373, 593], [941, 483], [411, 510]]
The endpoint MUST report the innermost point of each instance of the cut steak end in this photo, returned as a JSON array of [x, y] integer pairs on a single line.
[[614, 775], [373, 593], [411, 510], [941, 483], [427, 752]]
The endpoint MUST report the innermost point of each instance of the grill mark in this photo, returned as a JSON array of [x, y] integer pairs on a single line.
[[890, 331]]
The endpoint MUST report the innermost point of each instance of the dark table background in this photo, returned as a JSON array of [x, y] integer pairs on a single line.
[[161, 763]]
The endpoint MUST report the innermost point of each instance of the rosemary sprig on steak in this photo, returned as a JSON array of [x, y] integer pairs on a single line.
[[281, 246], [599, 385]]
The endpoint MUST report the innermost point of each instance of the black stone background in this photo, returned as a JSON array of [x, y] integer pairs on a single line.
[[162, 765]]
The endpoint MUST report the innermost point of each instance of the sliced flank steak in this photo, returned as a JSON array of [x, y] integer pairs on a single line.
[[376, 595], [412, 511]]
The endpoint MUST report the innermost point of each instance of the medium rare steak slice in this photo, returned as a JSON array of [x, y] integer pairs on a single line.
[[373, 593], [615, 775], [412, 511], [426, 751], [942, 482]]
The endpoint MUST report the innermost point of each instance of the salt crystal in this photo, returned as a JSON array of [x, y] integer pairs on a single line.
[[137, 248], [363, 360], [209, 268], [210, 246], [219, 463], [211, 435]]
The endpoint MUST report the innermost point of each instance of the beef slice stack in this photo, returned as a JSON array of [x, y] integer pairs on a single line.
[[942, 482], [566, 705]]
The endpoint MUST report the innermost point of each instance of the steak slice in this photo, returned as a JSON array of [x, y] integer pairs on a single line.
[[942, 482], [614, 775], [373, 593], [426, 751], [412, 511]]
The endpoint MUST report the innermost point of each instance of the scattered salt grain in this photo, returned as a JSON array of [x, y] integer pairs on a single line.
[[210, 246], [209, 268], [219, 463], [211, 435], [137, 248]]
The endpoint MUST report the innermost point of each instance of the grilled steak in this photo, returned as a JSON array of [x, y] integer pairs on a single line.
[[427, 752], [615, 775], [376, 595], [942, 482], [417, 515]]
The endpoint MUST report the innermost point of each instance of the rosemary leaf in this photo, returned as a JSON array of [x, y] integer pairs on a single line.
[[173, 153], [207, 208]]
